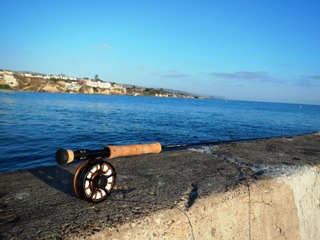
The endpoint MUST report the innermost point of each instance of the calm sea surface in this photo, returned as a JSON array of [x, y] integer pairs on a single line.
[[34, 125]]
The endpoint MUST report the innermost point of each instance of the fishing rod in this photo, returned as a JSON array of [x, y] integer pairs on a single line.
[[65, 156], [95, 178]]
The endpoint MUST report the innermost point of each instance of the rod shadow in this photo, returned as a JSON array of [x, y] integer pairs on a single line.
[[56, 177]]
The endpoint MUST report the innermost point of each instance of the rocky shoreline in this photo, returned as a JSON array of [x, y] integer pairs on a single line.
[[266, 189], [35, 82]]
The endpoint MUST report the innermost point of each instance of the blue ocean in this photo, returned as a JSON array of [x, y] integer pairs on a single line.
[[34, 125]]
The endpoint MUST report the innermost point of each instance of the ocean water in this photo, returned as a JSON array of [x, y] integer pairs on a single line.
[[34, 125]]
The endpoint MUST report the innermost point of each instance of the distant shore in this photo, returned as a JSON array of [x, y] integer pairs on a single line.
[[36, 82]]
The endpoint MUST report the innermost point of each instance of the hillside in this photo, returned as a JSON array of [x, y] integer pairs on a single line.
[[37, 82]]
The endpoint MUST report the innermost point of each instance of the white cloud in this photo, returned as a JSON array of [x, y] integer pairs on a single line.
[[175, 74], [102, 47], [245, 75]]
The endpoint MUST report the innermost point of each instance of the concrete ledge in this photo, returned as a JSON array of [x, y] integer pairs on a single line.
[[251, 190]]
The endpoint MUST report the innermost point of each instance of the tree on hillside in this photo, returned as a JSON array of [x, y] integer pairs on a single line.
[[96, 77]]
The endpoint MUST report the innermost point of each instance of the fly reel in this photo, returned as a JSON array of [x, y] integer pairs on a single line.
[[94, 180]]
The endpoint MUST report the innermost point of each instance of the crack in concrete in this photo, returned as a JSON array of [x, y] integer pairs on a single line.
[[249, 210]]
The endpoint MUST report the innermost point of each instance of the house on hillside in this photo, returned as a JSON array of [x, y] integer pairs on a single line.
[[98, 84], [73, 86], [8, 78]]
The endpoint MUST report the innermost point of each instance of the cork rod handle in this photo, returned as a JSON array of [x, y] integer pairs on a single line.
[[134, 149]]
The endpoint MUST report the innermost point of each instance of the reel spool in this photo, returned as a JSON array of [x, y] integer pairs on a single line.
[[94, 180]]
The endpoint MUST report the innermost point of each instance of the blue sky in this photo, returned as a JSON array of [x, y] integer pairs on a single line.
[[242, 50]]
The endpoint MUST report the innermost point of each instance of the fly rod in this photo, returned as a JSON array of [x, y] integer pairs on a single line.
[[95, 178], [64, 156]]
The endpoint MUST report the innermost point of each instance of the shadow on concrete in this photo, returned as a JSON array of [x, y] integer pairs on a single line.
[[56, 177]]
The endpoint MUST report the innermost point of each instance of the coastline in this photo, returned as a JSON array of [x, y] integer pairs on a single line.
[[37, 82], [243, 189]]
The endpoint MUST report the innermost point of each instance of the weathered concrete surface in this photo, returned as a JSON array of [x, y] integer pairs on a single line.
[[251, 190]]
